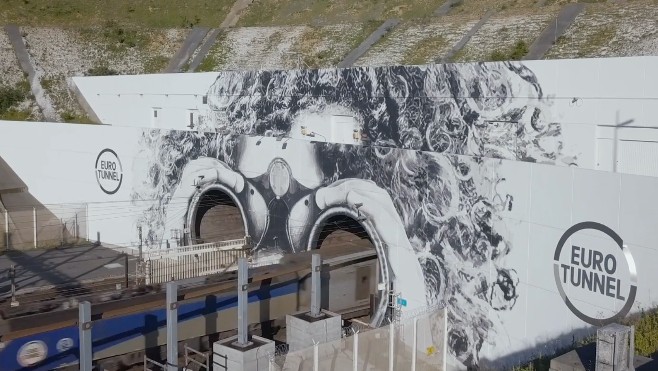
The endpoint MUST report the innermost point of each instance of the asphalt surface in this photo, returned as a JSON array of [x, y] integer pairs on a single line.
[[39, 269], [186, 50], [464, 40], [360, 50], [554, 30]]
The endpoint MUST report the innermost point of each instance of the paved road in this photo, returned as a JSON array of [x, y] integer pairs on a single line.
[[61, 267], [360, 50], [554, 30], [464, 40], [191, 43]]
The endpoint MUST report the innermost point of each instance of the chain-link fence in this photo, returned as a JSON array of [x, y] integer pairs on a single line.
[[26, 228], [416, 342]]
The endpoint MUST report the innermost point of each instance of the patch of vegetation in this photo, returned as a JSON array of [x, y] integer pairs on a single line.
[[101, 70], [457, 3], [156, 64], [596, 40], [11, 96], [646, 333], [422, 52], [217, 55], [128, 13], [75, 118], [518, 51], [120, 38], [14, 114]]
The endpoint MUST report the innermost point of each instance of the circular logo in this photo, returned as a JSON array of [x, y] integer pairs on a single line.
[[595, 270], [32, 353], [109, 173], [64, 344]]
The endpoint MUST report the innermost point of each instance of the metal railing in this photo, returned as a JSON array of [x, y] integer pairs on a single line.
[[148, 363], [192, 261], [190, 360]]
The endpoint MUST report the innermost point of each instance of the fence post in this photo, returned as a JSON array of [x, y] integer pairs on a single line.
[[125, 270], [34, 225], [12, 276], [414, 346], [391, 346], [316, 357], [76, 233], [6, 229], [355, 351], [84, 323], [172, 326], [61, 232]]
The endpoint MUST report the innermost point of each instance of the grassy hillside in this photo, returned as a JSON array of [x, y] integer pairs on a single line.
[[136, 13]]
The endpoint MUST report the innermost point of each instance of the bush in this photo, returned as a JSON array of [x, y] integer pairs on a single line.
[[519, 50], [10, 97], [101, 71], [646, 334]]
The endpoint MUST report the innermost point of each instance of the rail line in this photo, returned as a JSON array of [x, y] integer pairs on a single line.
[[334, 257]]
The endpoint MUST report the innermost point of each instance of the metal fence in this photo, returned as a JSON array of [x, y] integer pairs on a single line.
[[416, 342], [26, 228], [183, 262]]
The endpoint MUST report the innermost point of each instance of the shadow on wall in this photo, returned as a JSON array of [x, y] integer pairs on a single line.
[[547, 348]]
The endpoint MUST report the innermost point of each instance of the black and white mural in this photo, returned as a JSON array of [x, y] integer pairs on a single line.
[[465, 178], [420, 186]]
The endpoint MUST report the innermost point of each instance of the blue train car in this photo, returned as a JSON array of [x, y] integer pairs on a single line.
[[116, 336]]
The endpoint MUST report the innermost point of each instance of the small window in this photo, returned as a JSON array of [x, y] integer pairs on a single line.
[[205, 99], [155, 113], [191, 118]]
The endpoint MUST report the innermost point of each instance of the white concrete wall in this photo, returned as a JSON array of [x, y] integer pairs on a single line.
[[130, 100]]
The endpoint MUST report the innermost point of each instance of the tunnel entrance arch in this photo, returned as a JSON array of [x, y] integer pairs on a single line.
[[342, 226], [215, 214]]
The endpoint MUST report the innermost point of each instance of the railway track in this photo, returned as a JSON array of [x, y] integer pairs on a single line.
[[140, 299]]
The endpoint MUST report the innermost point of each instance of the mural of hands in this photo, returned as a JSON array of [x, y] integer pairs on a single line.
[[376, 206], [198, 173]]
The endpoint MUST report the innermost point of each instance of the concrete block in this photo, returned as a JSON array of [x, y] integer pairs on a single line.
[[228, 356], [303, 330]]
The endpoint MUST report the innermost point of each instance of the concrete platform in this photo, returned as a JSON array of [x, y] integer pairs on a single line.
[[583, 359]]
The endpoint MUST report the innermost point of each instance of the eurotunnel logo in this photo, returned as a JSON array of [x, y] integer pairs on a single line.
[[109, 173], [595, 271]]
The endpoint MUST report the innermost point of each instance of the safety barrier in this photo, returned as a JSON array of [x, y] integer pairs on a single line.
[[416, 342], [184, 262]]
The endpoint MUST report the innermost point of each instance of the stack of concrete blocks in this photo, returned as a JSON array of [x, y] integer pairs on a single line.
[[228, 355], [303, 330]]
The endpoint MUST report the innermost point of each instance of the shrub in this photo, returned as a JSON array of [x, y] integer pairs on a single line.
[[101, 71], [9, 97]]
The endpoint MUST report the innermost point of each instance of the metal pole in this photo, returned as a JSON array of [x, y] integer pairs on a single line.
[[7, 229], [355, 353], [125, 269], [631, 355], [316, 358], [34, 225], [76, 233], [316, 285], [414, 347], [243, 305], [172, 326], [84, 323], [391, 346], [61, 232], [139, 230], [12, 276]]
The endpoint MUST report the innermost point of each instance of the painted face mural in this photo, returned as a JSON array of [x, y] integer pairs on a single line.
[[420, 189]]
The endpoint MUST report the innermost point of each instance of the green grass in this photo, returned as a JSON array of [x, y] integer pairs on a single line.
[[216, 56], [422, 52], [314, 12], [12, 96], [518, 51], [155, 64], [135, 13], [75, 118]]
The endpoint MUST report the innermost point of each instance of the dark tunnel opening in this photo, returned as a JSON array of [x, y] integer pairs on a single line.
[[217, 218]]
